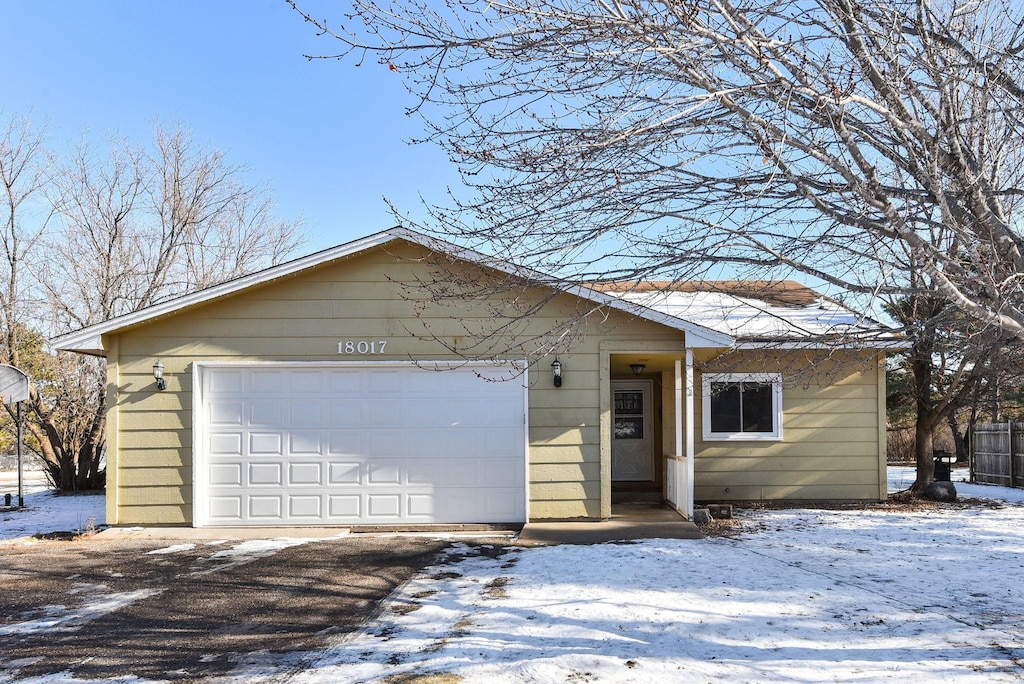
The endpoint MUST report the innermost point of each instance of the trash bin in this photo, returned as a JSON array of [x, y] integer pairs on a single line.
[[942, 466]]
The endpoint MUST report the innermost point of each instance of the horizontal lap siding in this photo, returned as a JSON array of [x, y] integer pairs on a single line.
[[830, 447], [302, 319]]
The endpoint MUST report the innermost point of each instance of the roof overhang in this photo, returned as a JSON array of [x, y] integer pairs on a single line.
[[89, 340], [868, 344]]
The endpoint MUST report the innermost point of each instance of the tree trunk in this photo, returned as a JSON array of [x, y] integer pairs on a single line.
[[959, 438], [924, 423], [923, 453]]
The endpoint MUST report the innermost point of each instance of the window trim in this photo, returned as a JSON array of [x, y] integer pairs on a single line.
[[774, 379]]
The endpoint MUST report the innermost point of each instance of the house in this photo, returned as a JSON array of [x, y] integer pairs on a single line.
[[335, 390]]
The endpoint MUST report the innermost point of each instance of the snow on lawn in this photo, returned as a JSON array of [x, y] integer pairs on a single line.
[[800, 595], [46, 512]]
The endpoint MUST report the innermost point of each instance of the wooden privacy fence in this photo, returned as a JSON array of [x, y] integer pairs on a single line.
[[997, 454]]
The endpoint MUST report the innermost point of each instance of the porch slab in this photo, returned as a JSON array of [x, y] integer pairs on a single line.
[[629, 521]]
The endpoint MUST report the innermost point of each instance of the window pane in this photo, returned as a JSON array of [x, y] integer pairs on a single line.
[[629, 428], [629, 403], [725, 407], [757, 408]]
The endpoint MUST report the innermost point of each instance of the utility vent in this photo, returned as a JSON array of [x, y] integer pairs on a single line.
[[720, 511]]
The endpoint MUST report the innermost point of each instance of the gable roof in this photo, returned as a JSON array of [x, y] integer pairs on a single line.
[[760, 312], [88, 340]]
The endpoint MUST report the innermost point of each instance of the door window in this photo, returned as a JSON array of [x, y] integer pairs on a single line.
[[629, 414]]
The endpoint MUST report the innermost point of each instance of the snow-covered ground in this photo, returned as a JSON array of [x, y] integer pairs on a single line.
[[44, 511], [799, 595]]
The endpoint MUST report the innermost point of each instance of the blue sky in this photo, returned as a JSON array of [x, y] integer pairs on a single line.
[[327, 136]]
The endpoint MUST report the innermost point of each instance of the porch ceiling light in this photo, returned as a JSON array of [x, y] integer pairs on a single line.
[[556, 371], [637, 368], [158, 375]]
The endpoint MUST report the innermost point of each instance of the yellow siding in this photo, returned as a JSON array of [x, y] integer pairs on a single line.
[[113, 399], [830, 447], [153, 514]]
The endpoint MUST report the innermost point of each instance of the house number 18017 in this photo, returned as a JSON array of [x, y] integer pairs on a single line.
[[362, 346]]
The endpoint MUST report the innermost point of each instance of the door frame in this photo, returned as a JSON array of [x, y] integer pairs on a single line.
[[607, 348]]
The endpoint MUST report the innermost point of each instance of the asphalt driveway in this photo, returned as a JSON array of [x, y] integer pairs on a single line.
[[100, 608]]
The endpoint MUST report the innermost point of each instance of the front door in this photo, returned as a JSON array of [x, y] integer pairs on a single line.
[[632, 428]]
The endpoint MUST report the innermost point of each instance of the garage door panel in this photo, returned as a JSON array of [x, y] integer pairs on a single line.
[[265, 508], [347, 412], [344, 506], [503, 504], [361, 445], [426, 441], [502, 471], [265, 412], [464, 473], [225, 508], [263, 474], [265, 443], [305, 381], [226, 412], [503, 443], [225, 381], [380, 381], [352, 383], [437, 472], [420, 505], [345, 473], [384, 472], [345, 442], [383, 443], [303, 474], [304, 442], [308, 413], [418, 414], [496, 410], [225, 443], [226, 474], [386, 506], [305, 507], [383, 412]]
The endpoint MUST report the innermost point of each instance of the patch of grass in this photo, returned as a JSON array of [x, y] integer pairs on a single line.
[[417, 678]]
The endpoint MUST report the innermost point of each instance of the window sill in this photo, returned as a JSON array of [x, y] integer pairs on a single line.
[[741, 437]]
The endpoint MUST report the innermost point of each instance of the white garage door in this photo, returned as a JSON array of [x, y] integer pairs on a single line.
[[376, 444]]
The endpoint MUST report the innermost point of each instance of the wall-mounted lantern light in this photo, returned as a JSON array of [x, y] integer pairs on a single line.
[[637, 368], [158, 374], [556, 371]]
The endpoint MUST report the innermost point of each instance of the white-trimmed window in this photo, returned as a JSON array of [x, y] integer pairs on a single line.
[[742, 406]]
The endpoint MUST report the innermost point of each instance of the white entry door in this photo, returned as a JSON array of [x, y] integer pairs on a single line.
[[365, 444], [632, 431]]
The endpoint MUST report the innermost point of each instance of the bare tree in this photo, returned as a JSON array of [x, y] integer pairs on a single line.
[[23, 157], [143, 225], [809, 136], [23, 160], [872, 145], [123, 228]]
